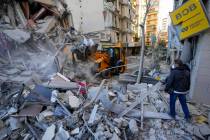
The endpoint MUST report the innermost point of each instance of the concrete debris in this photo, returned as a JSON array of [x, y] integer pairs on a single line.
[[74, 102], [92, 93], [205, 130], [44, 114], [118, 121], [61, 85], [197, 133], [54, 96], [3, 133], [31, 110], [14, 123], [209, 118], [47, 25], [1, 124], [47, 93], [115, 137], [18, 35], [62, 134], [75, 131], [112, 94], [49, 133], [93, 115], [133, 126]]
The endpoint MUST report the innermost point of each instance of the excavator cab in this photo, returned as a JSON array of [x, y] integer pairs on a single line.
[[110, 61]]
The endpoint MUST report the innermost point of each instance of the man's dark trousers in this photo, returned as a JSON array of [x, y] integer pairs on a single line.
[[182, 100]]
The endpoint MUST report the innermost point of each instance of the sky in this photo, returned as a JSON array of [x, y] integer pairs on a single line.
[[165, 7]]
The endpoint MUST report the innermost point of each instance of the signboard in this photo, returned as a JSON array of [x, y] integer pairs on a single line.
[[190, 18]]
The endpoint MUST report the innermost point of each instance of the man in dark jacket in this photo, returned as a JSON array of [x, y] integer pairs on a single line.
[[178, 85]]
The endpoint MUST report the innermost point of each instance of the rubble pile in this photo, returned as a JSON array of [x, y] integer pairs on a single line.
[[63, 109], [35, 39]]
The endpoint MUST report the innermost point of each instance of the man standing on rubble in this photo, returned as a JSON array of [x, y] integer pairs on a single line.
[[178, 85]]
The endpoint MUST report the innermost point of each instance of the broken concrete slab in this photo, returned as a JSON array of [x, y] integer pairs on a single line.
[[93, 115], [61, 85], [31, 110], [62, 134], [197, 133], [21, 79], [12, 71], [137, 87], [3, 78], [97, 94], [92, 93], [69, 93], [123, 97], [74, 102], [115, 137], [64, 108], [118, 122], [18, 35], [45, 27], [119, 108], [14, 123], [60, 112], [107, 134], [60, 77], [133, 126], [54, 96], [133, 105], [204, 129], [44, 114], [49, 133], [12, 110], [40, 93], [26, 73], [75, 131]]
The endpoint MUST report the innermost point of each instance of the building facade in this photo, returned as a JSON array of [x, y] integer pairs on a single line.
[[195, 52], [163, 32], [152, 23], [114, 21]]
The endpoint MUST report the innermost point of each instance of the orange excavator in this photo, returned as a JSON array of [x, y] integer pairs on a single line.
[[107, 62], [110, 61]]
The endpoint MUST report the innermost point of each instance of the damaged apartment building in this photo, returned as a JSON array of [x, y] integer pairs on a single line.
[[192, 44], [114, 21]]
